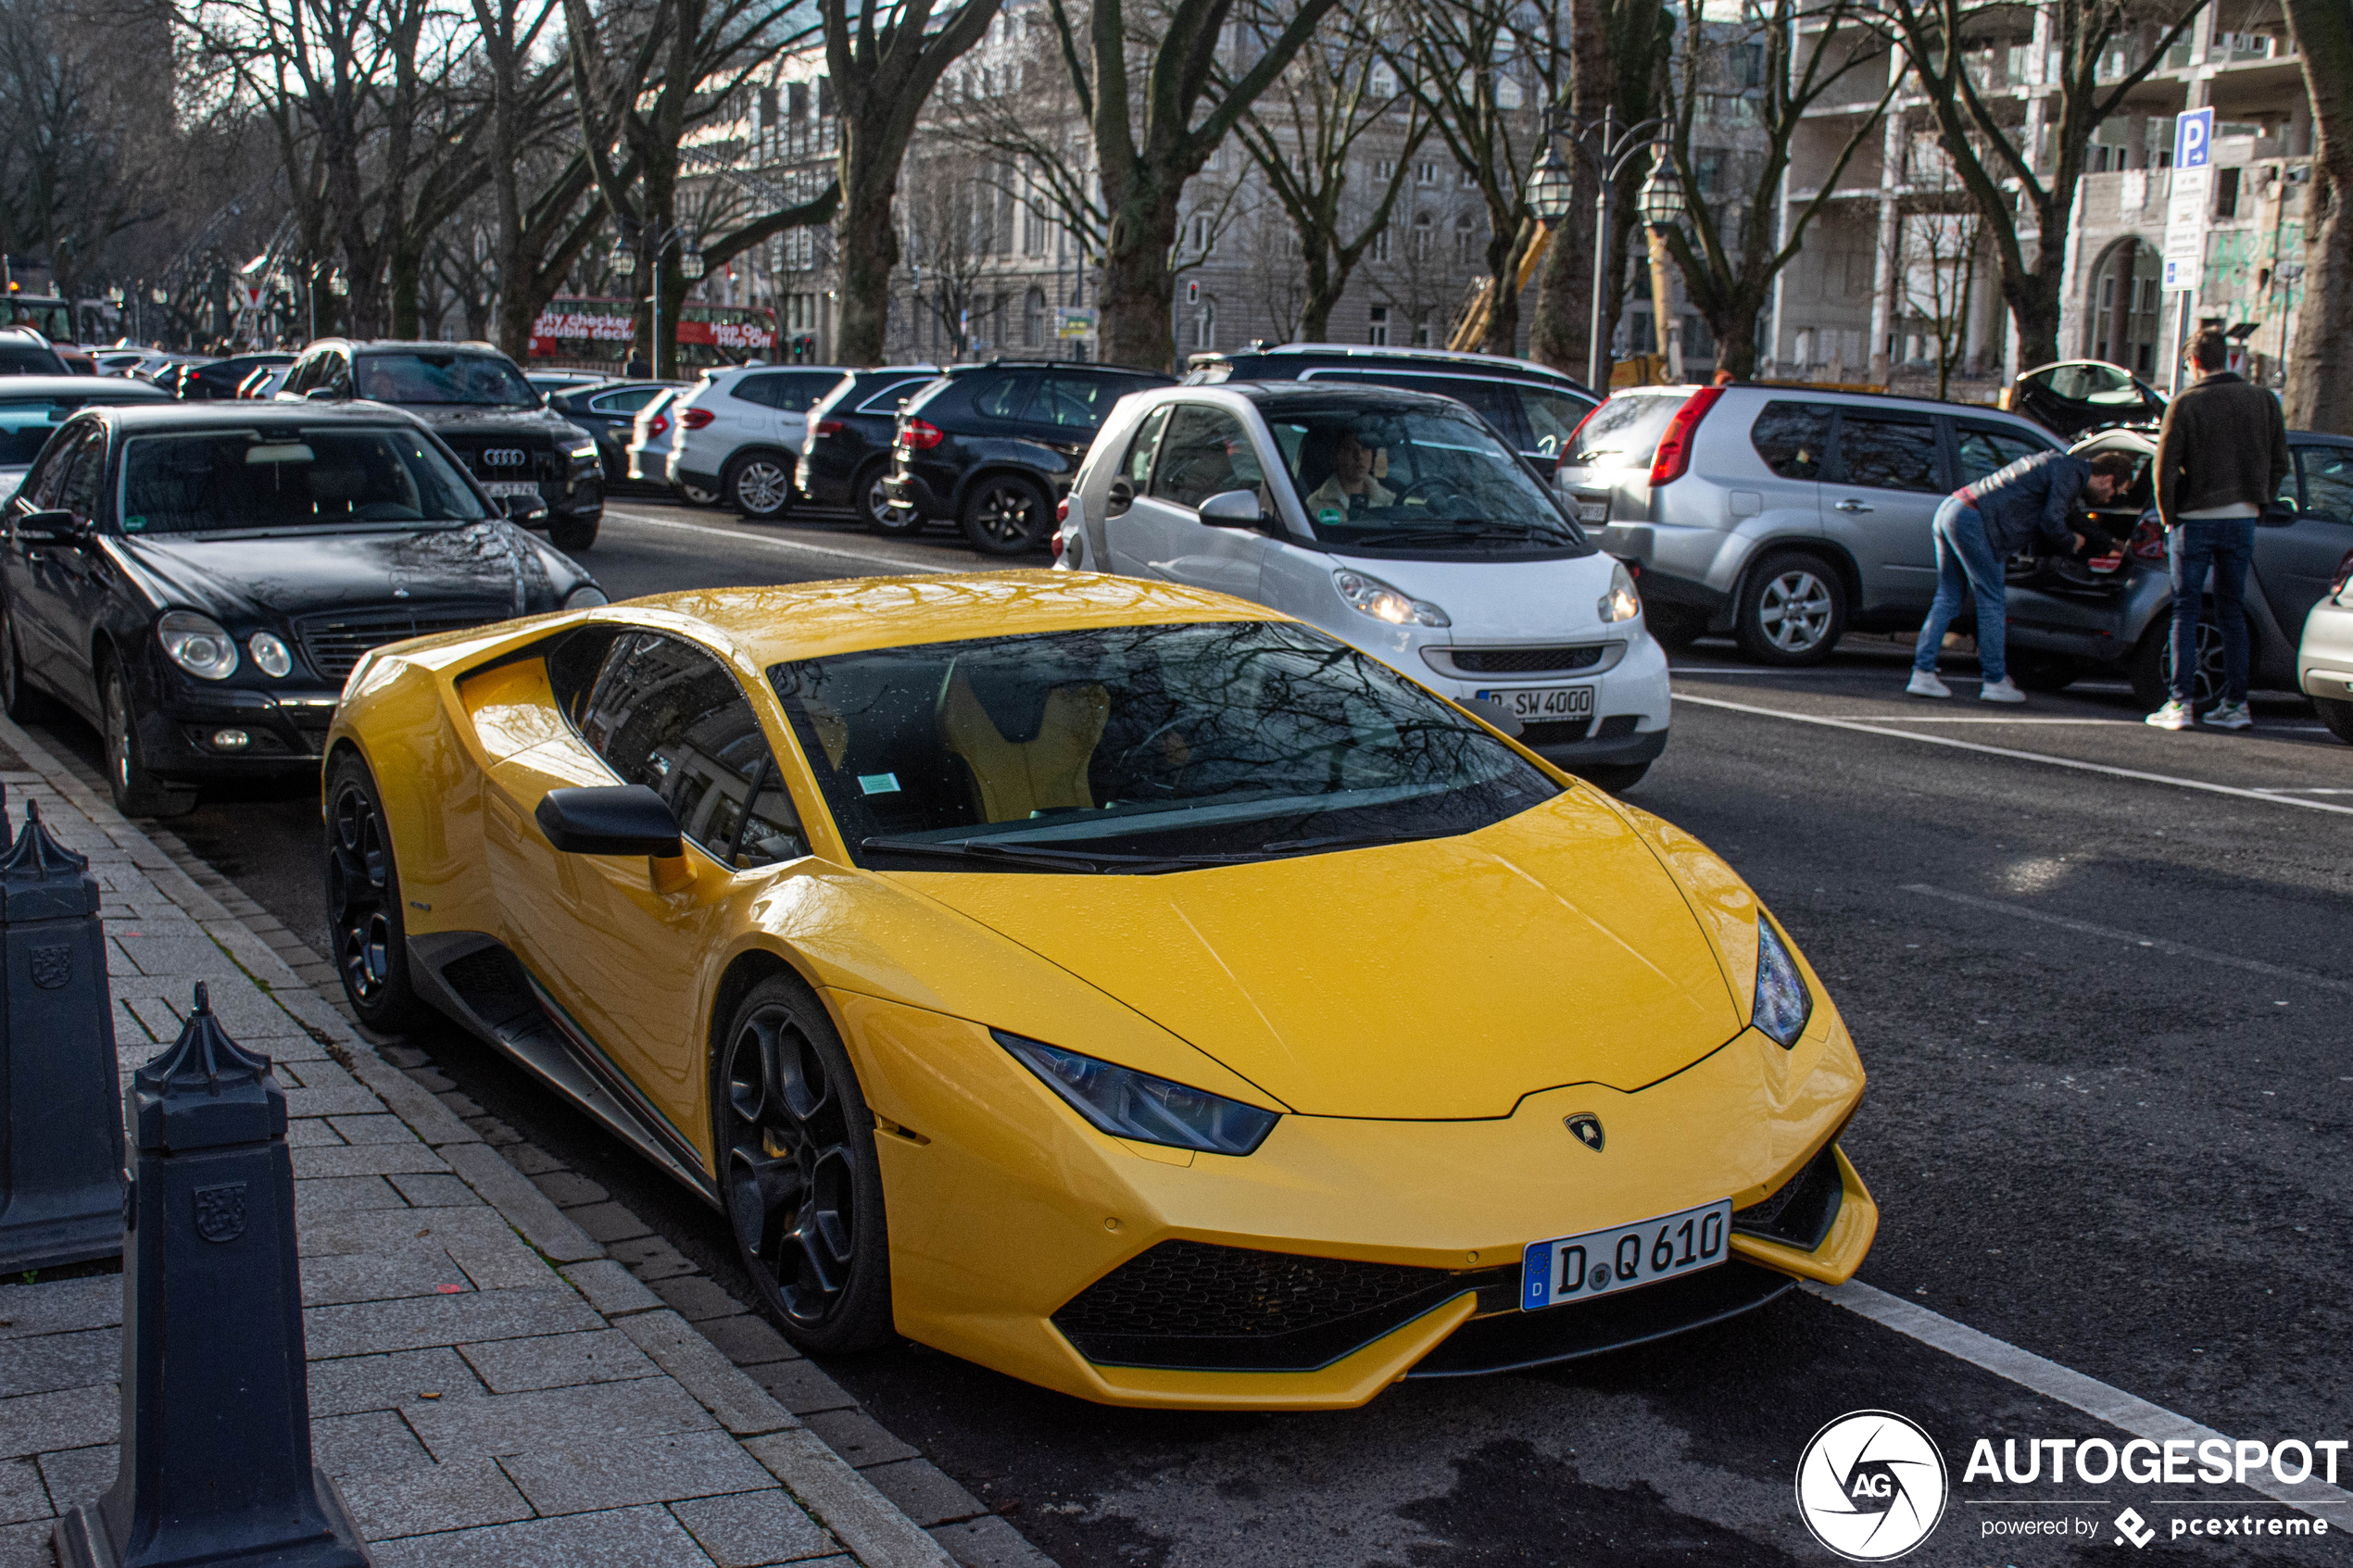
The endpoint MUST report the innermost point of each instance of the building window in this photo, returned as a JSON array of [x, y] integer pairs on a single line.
[[1425, 237], [1466, 237], [1381, 245], [1203, 234], [1033, 318], [1426, 172], [1378, 334]]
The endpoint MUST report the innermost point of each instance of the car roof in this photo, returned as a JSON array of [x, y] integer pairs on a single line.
[[796, 620], [173, 415], [407, 345], [1273, 394], [1833, 394], [1077, 365], [1433, 359], [88, 389]]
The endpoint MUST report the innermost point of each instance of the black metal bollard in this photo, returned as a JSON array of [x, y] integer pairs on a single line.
[[60, 1135], [216, 1412]]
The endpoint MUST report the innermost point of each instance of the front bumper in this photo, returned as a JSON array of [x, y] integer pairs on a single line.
[[2324, 659], [1005, 1208], [284, 729], [911, 492]]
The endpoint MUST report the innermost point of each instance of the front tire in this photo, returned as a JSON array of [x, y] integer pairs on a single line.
[[2151, 668], [1007, 515], [2044, 672], [1672, 626], [2337, 716], [573, 536], [759, 485], [137, 792], [363, 900], [874, 508], [1792, 610], [24, 703], [1614, 777], [799, 1172]]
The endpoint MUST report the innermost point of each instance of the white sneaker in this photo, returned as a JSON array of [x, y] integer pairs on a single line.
[[2230, 716], [1925, 684], [2003, 690], [2173, 716]]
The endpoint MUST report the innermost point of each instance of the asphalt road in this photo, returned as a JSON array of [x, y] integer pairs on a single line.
[[2099, 976]]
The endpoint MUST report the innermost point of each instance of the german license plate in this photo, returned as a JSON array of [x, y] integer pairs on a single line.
[[1577, 1268], [1544, 702], [502, 488]]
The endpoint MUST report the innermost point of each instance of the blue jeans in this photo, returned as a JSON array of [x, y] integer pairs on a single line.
[[2226, 546], [1965, 562]]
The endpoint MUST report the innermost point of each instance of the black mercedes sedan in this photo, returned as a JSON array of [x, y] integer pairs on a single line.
[[197, 580]]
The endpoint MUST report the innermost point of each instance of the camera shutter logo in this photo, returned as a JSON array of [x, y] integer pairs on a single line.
[[1871, 1486]]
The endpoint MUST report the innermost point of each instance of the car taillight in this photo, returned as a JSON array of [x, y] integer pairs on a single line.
[[2148, 542], [1061, 511], [2343, 575], [827, 427], [655, 426], [920, 434], [694, 418], [1673, 459], [1057, 546]]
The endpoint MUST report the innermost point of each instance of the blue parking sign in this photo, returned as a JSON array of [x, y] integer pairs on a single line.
[[2193, 139]]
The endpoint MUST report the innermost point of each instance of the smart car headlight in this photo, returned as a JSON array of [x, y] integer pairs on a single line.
[[198, 645], [1783, 1004], [1128, 1104], [1370, 595], [1621, 603]]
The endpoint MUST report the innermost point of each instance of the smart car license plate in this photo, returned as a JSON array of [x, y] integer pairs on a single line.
[[1577, 1268], [501, 488], [1544, 702]]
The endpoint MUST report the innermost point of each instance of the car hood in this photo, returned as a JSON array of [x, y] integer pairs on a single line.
[[253, 577], [465, 420], [1430, 981], [1543, 599]]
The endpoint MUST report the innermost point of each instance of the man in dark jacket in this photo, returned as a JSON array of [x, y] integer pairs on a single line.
[[2220, 456], [1980, 527]]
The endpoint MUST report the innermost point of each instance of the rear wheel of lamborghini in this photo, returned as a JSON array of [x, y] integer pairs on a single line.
[[363, 900], [797, 1169]]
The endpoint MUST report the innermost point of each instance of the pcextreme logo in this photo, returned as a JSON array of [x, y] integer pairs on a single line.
[[1871, 1486]]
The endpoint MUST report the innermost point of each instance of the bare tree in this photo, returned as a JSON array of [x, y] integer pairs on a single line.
[[2319, 374], [1938, 264], [1731, 278], [2021, 160], [951, 212], [1152, 97]]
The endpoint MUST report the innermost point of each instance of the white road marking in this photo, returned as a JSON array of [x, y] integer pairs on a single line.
[[796, 546], [2159, 944], [2299, 789], [1974, 718], [1881, 729], [2126, 1413]]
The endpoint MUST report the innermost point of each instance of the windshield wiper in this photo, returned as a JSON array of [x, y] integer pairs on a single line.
[[1101, 862], [1346, 841]]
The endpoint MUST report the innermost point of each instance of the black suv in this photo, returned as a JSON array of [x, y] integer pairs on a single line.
[[476, 400], [994, 445], [1533, 406], [219, 380], [847, 452]]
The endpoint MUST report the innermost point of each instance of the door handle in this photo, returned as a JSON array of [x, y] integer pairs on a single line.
[[1851, 505]]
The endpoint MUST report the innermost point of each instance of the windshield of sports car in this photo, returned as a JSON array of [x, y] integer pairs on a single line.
[[1412, 477], [308, 478], [1139, 749], [426, 378]]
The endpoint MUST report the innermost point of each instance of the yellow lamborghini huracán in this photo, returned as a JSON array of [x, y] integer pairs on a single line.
[[1114, 983]]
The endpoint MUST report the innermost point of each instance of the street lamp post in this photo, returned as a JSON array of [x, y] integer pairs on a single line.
[[658, 239], [1662, 204], [1608, 149]]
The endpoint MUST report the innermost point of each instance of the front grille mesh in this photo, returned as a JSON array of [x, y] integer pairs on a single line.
[[1801, 1210], [1193, 1288], [1527, 662], [336, 640]]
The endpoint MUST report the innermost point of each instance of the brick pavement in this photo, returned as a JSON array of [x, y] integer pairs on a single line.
[[490, 1383]]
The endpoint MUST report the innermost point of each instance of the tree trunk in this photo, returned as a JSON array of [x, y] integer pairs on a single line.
[[869, 250], [1139, 290], [1325, 283], [1557, 333], [406, 266], [2319, 394]]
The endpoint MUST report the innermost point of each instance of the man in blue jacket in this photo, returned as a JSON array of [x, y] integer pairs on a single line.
[[1980, 527]]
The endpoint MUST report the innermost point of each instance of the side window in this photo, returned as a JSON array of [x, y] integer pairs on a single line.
[[627, 402], [298, 378], [887, 400], [1888, 453], [41, 486], [1206, 451], [1981, 450], [1003, 397], [333, 373], [797, 392], [1552, 415], [1793, 438], [1137, 468], [762, 390], [78, 493], [2328, 481], [667, 715], [1074, 402]]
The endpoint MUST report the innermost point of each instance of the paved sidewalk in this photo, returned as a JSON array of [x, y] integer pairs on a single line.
[[488, 1385]]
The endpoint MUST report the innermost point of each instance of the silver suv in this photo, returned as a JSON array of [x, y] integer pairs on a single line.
[[1783, 515]]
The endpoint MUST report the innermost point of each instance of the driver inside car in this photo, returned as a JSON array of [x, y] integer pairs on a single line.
[[1351, 489]]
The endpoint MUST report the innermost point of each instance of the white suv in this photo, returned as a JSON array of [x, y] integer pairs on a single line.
[[739, 431]]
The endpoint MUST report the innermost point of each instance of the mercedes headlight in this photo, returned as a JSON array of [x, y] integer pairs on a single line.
[[271, 653], [1128, 1104], [1621, 603], [1783, 1004], [586, 596], [198, 645], [1374, 598]]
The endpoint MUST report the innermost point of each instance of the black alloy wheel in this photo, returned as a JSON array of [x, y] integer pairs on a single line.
[[2151, 671], [24, 703], [1007, 515], [799, 1171], [363, 900], [137, 792]]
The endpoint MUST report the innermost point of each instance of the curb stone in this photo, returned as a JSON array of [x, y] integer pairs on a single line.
[[759, 1397]]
